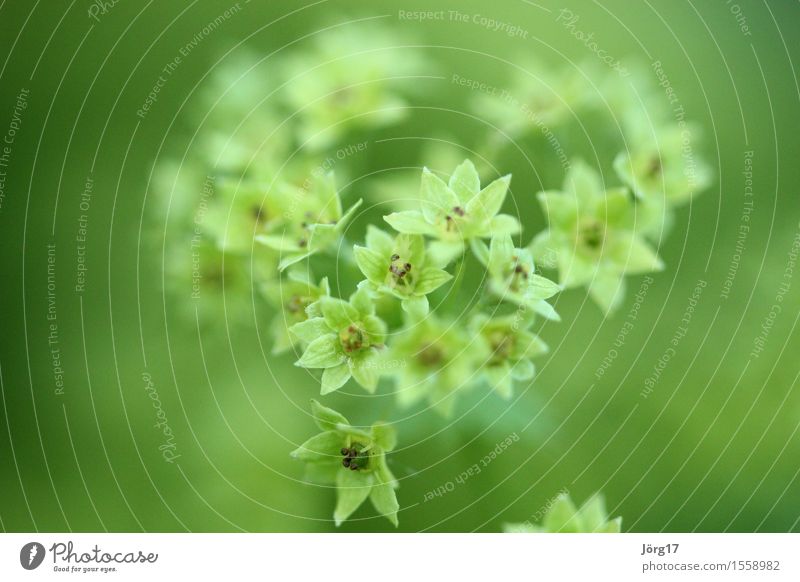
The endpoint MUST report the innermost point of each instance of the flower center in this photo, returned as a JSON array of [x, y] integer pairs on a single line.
[[518, 275], [450, 221], [353, 338], [258, 214], [654, 167], [592, 234], [430, 355], [355, 458], [296, 305], [399, 272], [502, 345]]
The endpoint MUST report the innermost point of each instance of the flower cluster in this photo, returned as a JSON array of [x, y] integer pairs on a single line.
[[439, 357], [262, 212]]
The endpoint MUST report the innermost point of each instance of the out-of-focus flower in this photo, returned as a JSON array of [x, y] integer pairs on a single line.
[[311, 220], [438, 360], [347, 80], [297, 299], [537, 96], [510, 345], [563, 517], [662, 165], [591, 237], [238, 212]]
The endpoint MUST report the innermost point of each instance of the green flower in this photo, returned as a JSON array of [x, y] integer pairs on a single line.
[[344, 340], [512, 276], [510, 346], [354, 460], [435, 360], [398, 266], [312, 217], [663, 168], [238, 211], [349, 79], [591, 237], [297, 298], [563, 517], [457, 211], [538, 96]]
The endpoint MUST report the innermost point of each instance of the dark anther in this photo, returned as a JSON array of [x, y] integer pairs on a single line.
[[395, 257], [346, 461], [345, 451], [458, 210], [302, 243], [354, 467], [518, 269], [407, 267]]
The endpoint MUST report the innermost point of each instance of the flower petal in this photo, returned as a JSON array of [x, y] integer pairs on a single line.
[[310, 329], [334, 378], [337, 312], [410, 222], [501, 252], [504, 224], [416, 305], [365, 372], [608, 291], [431, 279], [486, 203], [436, 198], [561, 517], [321, 447], [379, 240], [323, 352], [352, 489], [372, 264], [465, 181], [326, 418], [384, 500]]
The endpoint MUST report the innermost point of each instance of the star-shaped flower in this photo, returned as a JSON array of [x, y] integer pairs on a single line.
[[354, 460], [538, 96], [510, 345], [313, 220], [238, 211], [512, 276], [349, 79], [592, 238], [398, 266], [662, 166], [457, 211], [436, 359], [563, 517], [344, 341], [297, 298]]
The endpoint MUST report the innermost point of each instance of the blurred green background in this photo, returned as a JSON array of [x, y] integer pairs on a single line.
[[715, 447]]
